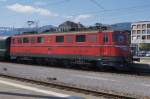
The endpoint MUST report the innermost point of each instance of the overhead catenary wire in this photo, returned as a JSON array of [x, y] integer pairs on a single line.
[[97, 4], [113, 10]]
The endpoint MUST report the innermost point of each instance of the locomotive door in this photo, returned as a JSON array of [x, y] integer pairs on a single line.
[[106, 44]]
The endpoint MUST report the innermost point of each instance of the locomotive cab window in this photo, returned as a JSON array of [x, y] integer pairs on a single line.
[[40, 40], [105, 38], [80, 38], [59, 39]]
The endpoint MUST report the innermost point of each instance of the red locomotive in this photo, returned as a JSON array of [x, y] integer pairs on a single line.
[[100, 48]]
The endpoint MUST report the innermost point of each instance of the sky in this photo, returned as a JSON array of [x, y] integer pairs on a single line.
[[16, 13]]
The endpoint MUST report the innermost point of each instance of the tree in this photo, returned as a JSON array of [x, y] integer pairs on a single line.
[[145, 46]]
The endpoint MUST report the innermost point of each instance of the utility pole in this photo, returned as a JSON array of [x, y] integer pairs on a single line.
[[33, 24]]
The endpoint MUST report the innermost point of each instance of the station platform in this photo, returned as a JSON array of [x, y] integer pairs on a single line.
[[10, 89]]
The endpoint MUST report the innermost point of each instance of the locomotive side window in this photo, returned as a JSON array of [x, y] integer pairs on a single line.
[[59, 39], [80, 38], [40, 40], [105, 38], [25, 40]]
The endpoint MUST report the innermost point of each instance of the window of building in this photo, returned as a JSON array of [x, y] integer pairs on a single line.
[[33, 40], [25, 40], [138, 32], [138, 26], [80, 38], [148, 31], [133, 26], [92, 38], [19, 40], [143, 37], [148, 25], [143, 31], [138, 37], [133, 37], [69, 39], [105, 38], [59, 39], [148, 37], [40, 40], [133, 31], [143, 26]]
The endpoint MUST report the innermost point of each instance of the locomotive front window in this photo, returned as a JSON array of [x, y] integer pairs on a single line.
[[80, 38], [119, 37]]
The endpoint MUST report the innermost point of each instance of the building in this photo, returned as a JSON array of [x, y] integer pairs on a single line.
[[70, 26], [140, 33]]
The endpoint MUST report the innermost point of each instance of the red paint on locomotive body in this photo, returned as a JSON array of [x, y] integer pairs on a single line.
[[86, 44]]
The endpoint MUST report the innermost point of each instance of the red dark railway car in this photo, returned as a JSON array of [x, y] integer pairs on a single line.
[[101, 48]]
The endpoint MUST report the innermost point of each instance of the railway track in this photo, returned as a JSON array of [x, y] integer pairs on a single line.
[[70, 88], [56, 81], [94, 70]]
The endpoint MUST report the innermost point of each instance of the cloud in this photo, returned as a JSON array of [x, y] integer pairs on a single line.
[[79, 18], [30, 9], [82, 17]]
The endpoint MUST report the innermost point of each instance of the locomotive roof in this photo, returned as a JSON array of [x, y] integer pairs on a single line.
[[62, 33]]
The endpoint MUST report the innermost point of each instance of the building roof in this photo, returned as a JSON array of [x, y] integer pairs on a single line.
[[141, 22]]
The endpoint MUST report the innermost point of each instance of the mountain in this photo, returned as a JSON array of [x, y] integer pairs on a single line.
[[122, 26], [46, 28], [6, 31]]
